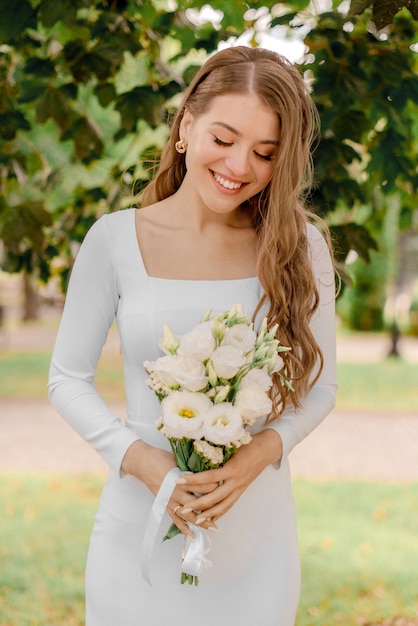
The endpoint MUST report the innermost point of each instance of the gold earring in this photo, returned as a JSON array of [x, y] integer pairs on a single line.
[[181, 146]]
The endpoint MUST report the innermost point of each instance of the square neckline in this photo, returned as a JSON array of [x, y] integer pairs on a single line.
[[179, 280]]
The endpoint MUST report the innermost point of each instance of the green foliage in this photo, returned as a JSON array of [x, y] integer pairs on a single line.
[[87, 88], [361, 307]]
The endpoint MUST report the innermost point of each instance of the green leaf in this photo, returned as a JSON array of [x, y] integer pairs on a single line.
[[105, 93], [144, 103], [358, 6], [173, 531], [42, 68], [283, 20], [15, 19], [54, 104], [350, 125], [352, 236], [52, 11], [76, 57], [87, 139], [11, 122], [22, 226]]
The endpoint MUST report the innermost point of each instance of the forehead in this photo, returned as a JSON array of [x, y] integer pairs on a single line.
[[244, 112]]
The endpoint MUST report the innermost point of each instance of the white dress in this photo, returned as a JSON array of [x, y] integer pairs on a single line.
[[255, 575]]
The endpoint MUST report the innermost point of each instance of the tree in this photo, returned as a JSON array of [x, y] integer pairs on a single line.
[[87, 88]]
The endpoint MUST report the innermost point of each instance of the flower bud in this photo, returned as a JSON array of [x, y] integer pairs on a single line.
[[170, 342], [218, 330], [222, 394], [211, 374]]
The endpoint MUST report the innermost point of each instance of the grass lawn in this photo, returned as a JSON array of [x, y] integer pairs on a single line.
[[387, 385], [357, 540]]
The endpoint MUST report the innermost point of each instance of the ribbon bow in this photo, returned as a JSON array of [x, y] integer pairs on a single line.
[[194, 551]]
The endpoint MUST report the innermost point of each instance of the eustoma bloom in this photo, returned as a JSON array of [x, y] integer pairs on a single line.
[[214, 382]]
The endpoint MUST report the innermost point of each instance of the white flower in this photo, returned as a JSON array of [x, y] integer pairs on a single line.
[[190, 373], [163, 368], [211, 453], [199, 342], [241, 336], [257, 378], [169, 342], [252, 402], [227, 361], [183, 413], [222, 424]]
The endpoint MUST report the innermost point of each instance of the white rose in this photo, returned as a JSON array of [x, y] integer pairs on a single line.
[[199, 342], [252, 402], [183, 413], [222, 424], [241, 336], [190, 373], [257, 378], [163, 367], [227, 361]]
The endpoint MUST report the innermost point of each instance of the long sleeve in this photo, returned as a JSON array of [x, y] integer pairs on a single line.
[[89, 311], [295, 425]]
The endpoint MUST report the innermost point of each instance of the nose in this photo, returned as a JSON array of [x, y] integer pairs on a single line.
[[238, 162]]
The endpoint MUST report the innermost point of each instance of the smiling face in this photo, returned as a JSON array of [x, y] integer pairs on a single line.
[[231, 151]]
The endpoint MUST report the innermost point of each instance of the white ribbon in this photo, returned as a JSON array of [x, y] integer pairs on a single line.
[[194, 549]]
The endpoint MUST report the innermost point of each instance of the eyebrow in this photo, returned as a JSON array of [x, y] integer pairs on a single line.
[[273, 142]]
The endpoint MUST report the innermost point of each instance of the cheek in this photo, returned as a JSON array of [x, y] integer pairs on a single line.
[[201, 153], [265, 173]]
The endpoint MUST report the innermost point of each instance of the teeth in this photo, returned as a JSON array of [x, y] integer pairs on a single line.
[[226, 183]]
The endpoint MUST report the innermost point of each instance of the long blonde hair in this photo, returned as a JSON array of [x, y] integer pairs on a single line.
[[279, 212]]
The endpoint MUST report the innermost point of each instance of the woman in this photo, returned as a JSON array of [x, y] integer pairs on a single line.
[[222, 222]]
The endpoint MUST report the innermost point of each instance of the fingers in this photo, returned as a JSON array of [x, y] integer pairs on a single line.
[[214, 504], [183, 517]]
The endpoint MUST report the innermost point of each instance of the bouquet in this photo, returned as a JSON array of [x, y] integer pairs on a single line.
[[213, 383]]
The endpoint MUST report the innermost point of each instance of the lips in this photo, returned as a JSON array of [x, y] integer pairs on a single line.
[[227, 184]]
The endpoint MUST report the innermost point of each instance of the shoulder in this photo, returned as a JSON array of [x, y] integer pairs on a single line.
[[110, 225], [319, 250], [118, 219]]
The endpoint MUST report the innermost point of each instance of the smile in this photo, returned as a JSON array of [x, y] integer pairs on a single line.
[[228, 184]]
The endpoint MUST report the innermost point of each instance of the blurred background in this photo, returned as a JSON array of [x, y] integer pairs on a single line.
[[87, 90]]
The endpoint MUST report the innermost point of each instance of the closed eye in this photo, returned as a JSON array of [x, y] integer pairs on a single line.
[[264, 157], [219, 142]]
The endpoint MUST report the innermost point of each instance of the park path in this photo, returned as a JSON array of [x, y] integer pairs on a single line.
[[355, 445]]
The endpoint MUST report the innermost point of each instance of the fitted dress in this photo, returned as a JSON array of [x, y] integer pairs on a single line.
[[254, 579]]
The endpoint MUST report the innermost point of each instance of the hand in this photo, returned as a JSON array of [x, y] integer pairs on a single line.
[[150, 465], [231, 480]]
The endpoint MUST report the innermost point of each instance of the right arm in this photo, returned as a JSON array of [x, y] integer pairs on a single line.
[[89, 311]]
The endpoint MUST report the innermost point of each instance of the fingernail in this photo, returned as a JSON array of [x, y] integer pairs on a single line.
[[181, 481], [185, 511], [214, 529], [200, 520]]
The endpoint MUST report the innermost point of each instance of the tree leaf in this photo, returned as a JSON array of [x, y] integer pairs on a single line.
[[87, 139], [105, 93], [13, 22], [54, 104], [52, 11], [11, 122], [352, 236]]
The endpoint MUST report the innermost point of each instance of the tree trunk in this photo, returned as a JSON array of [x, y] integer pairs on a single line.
[[30, 298]]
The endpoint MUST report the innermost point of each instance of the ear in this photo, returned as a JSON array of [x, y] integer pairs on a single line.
[[185, 124]]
